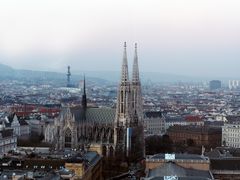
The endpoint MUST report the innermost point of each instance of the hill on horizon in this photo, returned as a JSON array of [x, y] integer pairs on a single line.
[[9, 73]]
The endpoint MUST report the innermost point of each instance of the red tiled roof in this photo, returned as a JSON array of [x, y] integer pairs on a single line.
[[192, 118]]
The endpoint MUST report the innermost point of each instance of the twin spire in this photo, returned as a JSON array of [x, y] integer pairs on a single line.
[[135, 75], [135, 72]]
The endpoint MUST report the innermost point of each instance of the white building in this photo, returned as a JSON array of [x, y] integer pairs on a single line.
[[15, 125], [154, 123], [233, 84], [194, 120], [20, 126], [39, 126], [231, 135], [174, 120], [8, 140]]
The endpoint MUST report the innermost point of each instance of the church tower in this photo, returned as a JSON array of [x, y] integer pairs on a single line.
[[128, 125], [138, 143], [123, 115], [136, 91]]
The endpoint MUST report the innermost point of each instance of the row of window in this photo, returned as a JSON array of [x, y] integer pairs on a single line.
[[6, 148], [233, 145], [233, 140], [231, 135], [7, 141], [237, 130]]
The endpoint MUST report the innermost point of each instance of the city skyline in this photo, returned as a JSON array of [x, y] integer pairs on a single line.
[[178, 37]]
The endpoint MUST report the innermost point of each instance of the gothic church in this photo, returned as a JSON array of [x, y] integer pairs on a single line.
[[114, 131]]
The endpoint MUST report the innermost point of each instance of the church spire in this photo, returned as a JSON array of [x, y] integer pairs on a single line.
[[84, 96], [136, 90], [124, 77], [84, 85], [135, 75]]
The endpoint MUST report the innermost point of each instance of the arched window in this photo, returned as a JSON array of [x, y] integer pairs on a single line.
[[120, 135], [104, 151], [68, 138], [111, 151]]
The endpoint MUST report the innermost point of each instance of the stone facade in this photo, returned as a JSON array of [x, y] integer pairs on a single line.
[[154, 123]]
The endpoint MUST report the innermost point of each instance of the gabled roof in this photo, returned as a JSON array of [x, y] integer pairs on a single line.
[[23, 122], [96, 115]]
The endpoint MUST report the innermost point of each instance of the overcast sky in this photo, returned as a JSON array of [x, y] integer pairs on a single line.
[[191, 37]]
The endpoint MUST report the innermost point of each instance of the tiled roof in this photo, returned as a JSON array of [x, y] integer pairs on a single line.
[[153, 114], [97, 115], [190, 118], [101, 115], [172, 169], [179, 156], [174, 119]]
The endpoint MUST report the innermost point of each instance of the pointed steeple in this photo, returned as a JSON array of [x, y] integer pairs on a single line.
[[124, 77], [84, 96], [136, 90], [135, 75], [124, 93], [84, 85]]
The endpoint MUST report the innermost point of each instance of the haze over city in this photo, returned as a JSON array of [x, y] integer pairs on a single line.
[[195, 38], [119, 89]]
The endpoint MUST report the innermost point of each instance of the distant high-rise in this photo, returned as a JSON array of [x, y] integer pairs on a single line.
[[215, 84], [68, 77], [234, 84]]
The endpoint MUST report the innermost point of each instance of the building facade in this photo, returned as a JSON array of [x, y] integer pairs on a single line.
[[174, 120], [8, 141], [154, 123], [115, 131], [20, 126], [215, 84], [231, 135], [199, 136]]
